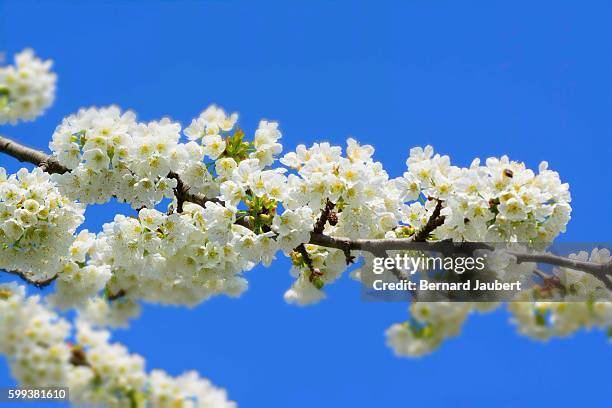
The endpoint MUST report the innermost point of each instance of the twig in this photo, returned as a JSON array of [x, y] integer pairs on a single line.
[[541, 274], [551, 259], [314, 272], [40, 284], [374, 246], [182, 194], [117, 295], [27, 154], [324, 217], [435, 220], [605, 278]]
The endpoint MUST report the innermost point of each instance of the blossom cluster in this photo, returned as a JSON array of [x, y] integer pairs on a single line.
[[110, 154], [577, 300], [561, 310], [26, 88], [429, 325], [368, 203], [101, 313], [37, 223], [328, 264], [179, 258], [502, 201], [80, 280], [365, 201], [36, 344], [32, 338], [478, 203]]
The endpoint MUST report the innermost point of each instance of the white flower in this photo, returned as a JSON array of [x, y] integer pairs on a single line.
[[96, 159], [303, 292], [214, 146], [12, 229], [266, 142], [357, 153], [225, 167], [512, 210], [210, 122], [151, 219], [293, 227]]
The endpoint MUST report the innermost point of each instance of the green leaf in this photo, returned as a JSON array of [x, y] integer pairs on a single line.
[[137, 399], [318, 283], [540, 319], [4, 101]]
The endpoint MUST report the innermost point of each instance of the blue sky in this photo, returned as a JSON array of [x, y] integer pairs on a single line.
[[474, 79]]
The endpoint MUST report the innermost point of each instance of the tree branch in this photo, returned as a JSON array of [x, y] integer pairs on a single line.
[[314, 272], [605, 277], [551, 259], [40, 284], [435, 220], [182, 194], [117, 295], [324, 217], [541, 274], [27, 154], [374, 246], [50, 164]]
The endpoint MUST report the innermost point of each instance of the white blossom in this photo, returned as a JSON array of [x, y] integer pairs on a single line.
[[27, 88], [37, 223], [34, 341]]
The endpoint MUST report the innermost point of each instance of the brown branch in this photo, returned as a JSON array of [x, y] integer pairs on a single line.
[[375, 246], [324, 217], [118, 295], [314, 272], [593, 268], [601, 275], [605, 277], [40, 284], [328, 215], [435, 220], [541, 274], [549, 282], [29, 155], [182, 194]]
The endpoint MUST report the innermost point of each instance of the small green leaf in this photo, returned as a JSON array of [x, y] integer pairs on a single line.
[[540, 319], [318, 283]]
